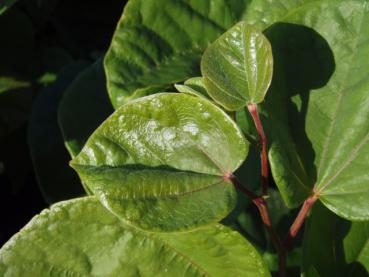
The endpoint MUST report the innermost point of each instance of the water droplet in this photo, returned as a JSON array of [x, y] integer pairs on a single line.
[[152, 124], [169, 134], [206, 115], [156, 103], [191, 128]]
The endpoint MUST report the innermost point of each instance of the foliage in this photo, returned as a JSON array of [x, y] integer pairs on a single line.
[[171, 178]]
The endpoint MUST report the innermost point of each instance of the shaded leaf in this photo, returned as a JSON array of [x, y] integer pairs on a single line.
[[80, 237], [334, 246], [318, 103], [238, 67], [159, 162], [50, 158], [84, 106], [5, 5], [16, 90]]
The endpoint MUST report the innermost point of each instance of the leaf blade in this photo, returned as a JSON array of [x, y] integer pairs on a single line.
[[237, 67], [142, 149], [99, 244]]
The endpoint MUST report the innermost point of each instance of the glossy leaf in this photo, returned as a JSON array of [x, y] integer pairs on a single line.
[[85, 103], [194, 86], [238, 67], [159, 162], [318, 103], [160, 42], [334, 246], [56, 179], [80, 237]]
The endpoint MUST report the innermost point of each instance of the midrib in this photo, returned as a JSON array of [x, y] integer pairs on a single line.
[[319, 185]]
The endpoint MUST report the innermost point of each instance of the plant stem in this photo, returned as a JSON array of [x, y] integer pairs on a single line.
[[295, 227], [253, 109], [292, 233], [262, 206]]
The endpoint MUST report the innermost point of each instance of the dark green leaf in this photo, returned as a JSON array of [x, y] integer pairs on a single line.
[[5, 5], [50, 158], [334, 246], [318, 103], [238, 67], [160, 161], [15, 77], [81, 238], [159, 42], [84, 106]]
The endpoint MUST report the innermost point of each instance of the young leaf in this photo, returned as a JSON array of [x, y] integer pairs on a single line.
[[334, 246], [238, 67], [194, 86], [318, 106], [81, 238], [159, 42], [84, 103], [159, 162]]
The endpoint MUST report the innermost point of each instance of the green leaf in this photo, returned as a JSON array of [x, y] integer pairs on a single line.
[[334, 246], [15, 102], [16, 90], [85, 103], [160, 42], [159, 162], [318, 104], [194, 86], [5, 5], [238, 67], [81, 238], [50, 158]]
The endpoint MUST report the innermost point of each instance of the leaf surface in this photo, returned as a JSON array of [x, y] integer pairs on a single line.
[[56, 179], [238, 67], [334, 246], [318, 104], [160, 42], [85, 103], [194, 86], [81, 238], [160, 161], [5, 5]]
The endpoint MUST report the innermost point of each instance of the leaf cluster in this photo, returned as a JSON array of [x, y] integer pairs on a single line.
[[197, 137]]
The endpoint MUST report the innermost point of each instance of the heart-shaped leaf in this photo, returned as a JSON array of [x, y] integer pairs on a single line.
[[160, 162], [318, 103], [81, 238], [238, 67], [334, 246], [160, 42]]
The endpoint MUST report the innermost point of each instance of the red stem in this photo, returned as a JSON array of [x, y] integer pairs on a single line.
[[296, 226], [292, 233], [253, 109], [262, 206]]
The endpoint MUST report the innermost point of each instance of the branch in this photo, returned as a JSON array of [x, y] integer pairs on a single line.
[[296, 226], [292, 233], [264, 147], [261, 204]]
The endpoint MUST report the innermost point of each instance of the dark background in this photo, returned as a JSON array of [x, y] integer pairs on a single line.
[[76, 29]]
